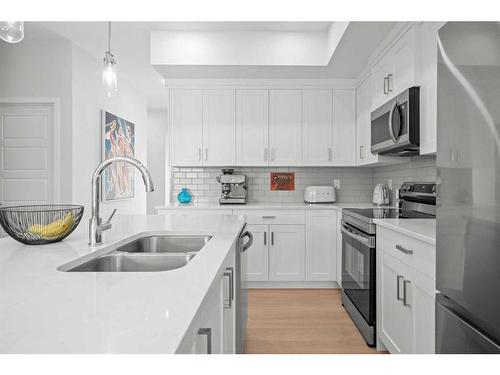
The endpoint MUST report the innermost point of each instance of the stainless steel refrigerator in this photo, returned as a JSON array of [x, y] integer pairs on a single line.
[[468, 164]]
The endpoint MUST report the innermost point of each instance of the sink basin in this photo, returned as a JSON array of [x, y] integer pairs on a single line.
[[166, 244], [119, 262], [152, 253]]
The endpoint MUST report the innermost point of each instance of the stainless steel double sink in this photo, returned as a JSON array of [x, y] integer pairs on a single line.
[[151, 253]]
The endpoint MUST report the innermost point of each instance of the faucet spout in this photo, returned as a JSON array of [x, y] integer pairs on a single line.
[[96, 227]]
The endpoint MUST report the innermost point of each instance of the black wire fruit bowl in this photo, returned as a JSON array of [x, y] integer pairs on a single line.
[[40, 224]]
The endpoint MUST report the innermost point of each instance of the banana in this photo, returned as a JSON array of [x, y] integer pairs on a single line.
[[53, 229]]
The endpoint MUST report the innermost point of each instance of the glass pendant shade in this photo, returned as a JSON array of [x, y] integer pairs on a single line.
[[12, 32], [109, 79]]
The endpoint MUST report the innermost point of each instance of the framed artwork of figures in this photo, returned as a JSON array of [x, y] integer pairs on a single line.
[[118, 139]]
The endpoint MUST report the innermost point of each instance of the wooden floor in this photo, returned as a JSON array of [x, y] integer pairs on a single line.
[[301, 321]]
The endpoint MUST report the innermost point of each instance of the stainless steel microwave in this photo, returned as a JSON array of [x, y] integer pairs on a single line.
[[395, 128]]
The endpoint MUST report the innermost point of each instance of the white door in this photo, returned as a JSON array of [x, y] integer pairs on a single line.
[[285, 127], [344, 127], [256, 258], [27, 154], [287, 253], [421, 292], [393, 317], [219, 127], [252, 127], [186, 119], [380, 74], [321, 245], [317, 127]]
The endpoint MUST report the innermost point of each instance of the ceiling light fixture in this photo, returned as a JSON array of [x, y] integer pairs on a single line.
[[12, 32], [109, 80]]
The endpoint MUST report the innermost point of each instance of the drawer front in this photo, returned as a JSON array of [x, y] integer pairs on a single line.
[[273, 217], [419, 255]]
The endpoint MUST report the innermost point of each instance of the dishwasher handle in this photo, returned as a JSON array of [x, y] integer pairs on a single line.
[[248, 244]]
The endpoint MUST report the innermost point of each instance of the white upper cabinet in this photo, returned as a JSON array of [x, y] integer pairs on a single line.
[[428, 87], [317, 138], [285, 127], [397, 69], [186, 122], [252, 127], [219, 127], [344, 127]]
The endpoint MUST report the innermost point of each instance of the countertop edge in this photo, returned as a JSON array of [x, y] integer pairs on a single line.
[[386, 223]]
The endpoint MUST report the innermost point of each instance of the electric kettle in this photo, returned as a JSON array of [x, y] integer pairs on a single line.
[[380, 195]]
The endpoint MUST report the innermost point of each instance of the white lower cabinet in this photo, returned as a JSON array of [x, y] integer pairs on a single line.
[[405, 295], [256, 259], [213, 329], [287, 253], [321, 244]]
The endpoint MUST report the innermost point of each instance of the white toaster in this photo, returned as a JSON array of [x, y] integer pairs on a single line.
[[319, 194]]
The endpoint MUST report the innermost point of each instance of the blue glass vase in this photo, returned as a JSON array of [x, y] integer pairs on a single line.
[[184, 196]]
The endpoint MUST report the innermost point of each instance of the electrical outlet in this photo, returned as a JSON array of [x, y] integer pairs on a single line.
[[389, 184], [336, 184]]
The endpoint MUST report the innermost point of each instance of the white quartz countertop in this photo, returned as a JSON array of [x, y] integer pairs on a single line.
[[267, 206], [43, 310], [420, 229]]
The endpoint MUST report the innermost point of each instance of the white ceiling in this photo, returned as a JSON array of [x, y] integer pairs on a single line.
[[131, 47]]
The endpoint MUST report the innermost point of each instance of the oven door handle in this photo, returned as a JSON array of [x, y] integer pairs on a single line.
[[367, 241]]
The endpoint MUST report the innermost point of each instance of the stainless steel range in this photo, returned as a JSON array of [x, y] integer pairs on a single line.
[[416, 201]]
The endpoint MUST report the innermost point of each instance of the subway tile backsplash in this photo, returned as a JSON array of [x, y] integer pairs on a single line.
[[356, 184]]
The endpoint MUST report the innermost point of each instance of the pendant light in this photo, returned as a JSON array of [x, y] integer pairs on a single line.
[[12, 32], [109, 80]]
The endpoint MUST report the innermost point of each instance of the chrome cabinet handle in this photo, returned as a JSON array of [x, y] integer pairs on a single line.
[[361, 152], [272, 238], [386, 84], [403, 250], [229, 273], [268, 217], [398, 282], [265, 238], [206, 153], [329, 154], [389, 81], [208, 333], [199, 153], [405, 283]]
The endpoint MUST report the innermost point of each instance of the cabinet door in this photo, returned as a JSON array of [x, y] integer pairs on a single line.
[[402, 75], [185, 127], [344, 127], [317, 127], [219, 127], [321, 245], [256, 258], [363, 123], [393, 317], [421, 292], [211, 322], [285, 127], [252, 127], [428, 87], [379, 88], [287, 253]]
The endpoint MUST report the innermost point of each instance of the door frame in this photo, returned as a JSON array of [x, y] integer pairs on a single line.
[[56, 135]]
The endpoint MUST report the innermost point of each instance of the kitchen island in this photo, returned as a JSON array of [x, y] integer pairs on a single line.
[[44, 310]]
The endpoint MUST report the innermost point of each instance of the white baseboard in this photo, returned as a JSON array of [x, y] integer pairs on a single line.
[[293, 285]]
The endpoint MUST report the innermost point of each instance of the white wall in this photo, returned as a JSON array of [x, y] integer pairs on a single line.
[[42, 68], [156, 163], [88, 100]]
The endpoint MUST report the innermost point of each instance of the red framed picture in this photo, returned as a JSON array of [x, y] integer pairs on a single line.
[[282, 181]]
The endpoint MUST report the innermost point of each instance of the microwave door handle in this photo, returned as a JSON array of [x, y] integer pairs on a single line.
[[391, 130]]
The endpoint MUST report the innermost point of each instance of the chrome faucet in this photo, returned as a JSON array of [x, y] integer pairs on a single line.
[[96, 226]]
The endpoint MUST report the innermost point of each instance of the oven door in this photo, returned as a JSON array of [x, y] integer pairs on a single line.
[[358, 270]]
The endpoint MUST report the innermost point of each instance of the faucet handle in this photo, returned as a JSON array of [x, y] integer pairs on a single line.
[[107, 223]]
